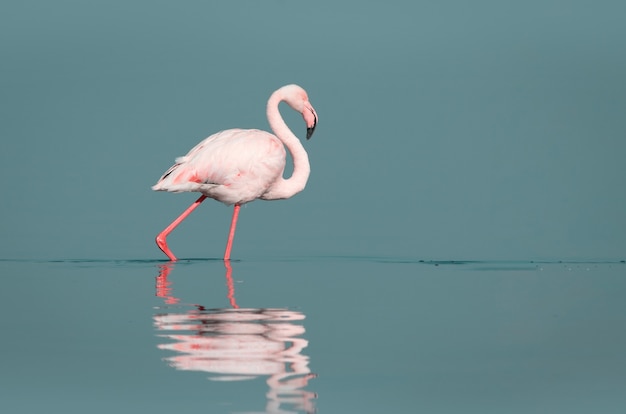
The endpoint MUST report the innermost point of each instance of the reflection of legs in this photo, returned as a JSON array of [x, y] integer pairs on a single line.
[[161, 237], [231, 234], [230, 285], [163, 289]]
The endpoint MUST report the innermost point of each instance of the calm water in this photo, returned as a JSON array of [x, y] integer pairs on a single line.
[[447, 130], [335, 335]]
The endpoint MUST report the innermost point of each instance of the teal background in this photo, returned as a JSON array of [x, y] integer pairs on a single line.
[[447, 130], [467, 180]]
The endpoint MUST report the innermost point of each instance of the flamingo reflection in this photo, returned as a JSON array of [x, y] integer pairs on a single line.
[[239, 344]]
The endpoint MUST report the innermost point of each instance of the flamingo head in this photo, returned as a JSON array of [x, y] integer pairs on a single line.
[[297, 98]]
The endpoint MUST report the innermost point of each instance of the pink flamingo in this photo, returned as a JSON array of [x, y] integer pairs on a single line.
[[237, 166]]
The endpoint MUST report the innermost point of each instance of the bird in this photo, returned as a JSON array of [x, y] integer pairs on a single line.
[[237, 166]]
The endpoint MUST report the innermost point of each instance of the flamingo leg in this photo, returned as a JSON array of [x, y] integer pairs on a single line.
[[231, 233], [161, 237]]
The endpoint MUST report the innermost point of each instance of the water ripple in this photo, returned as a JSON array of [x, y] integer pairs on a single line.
[[473, 264]]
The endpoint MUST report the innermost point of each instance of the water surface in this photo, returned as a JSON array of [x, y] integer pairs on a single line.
[[328, 334]]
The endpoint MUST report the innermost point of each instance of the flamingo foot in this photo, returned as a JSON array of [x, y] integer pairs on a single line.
[[162, 243]]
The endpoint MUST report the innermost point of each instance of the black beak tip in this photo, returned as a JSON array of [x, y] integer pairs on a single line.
[[309, 132]]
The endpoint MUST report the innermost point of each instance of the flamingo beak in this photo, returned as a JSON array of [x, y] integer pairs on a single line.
[[311, 129]]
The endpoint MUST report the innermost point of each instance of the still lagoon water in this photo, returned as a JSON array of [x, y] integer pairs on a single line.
[[447, 130], [313, 334]]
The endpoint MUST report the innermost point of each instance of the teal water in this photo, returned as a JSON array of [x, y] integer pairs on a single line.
[[327, 334], [459, 246]]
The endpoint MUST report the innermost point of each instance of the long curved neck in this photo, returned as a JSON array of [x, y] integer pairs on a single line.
[[285, 188]]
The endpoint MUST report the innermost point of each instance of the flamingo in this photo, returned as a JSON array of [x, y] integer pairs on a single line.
[[237, 166]]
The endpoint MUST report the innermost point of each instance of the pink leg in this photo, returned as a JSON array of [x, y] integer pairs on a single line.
[[231, 234], [160, 238]]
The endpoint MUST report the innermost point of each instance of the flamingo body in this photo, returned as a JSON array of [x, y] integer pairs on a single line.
[[237, 166]]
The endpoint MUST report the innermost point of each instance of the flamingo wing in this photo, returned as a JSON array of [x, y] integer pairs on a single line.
[[233, 166]]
